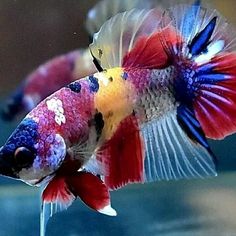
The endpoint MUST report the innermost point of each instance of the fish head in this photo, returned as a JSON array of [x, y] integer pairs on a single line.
[[30, 155]]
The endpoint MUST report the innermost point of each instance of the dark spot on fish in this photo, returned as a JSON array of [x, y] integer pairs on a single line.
[[124, 75], [93, 84], [109, 114], [75, 87], [100, 52], [99, 124], [110, 79]]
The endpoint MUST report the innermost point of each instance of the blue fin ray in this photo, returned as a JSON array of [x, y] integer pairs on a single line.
[[201, 40], [189, 18], [212, 78], [191, 126]]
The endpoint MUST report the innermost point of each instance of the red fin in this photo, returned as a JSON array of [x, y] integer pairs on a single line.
[[123, 155], [149, 51], [215, 107], [58, 191], [92, 191]]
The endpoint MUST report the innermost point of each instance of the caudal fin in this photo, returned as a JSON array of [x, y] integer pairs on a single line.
[[205, 67]]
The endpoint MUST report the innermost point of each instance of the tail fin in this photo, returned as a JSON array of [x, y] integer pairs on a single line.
[[205, 80]]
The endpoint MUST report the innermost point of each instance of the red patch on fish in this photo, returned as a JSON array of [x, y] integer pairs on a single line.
[[149, 51]]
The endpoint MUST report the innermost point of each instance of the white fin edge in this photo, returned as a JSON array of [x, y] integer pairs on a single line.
[[108, 210]]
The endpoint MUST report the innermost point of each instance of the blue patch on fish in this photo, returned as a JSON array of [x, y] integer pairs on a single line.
[[25, 135], [75, 87], [93, 84]]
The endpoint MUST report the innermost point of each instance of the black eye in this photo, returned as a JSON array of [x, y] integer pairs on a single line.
[[24, 157]]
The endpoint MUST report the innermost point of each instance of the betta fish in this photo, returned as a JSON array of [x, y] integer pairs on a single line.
[[61, 70], [166, 83], [46, 79]]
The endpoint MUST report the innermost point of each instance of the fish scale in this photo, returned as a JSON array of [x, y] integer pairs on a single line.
[[156, 99]]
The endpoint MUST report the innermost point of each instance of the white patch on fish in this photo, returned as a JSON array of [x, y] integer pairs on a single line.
[[56, 106]]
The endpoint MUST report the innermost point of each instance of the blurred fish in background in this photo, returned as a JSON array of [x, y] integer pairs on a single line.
[[46, 79], [61, 70]]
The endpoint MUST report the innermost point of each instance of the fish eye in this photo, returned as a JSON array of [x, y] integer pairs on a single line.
[[24, 157]]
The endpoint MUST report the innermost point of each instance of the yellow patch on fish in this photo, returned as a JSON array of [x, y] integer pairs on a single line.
[[115, 99]]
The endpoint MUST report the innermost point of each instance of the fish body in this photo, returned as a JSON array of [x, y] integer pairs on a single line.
[[166, 85]]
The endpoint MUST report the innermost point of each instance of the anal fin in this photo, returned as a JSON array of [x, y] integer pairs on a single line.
[[171, 154]]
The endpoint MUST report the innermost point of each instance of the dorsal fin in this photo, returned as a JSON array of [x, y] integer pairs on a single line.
[[134, 39], [105, 9]]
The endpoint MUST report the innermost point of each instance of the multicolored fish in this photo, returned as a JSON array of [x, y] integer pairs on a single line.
[[61, 70], [167, 82]]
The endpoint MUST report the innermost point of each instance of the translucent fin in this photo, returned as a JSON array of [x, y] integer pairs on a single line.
[[44, 217], [193, 21], [171, 154], [105, 9], [46, 212], [189, 17], [56, 197], [118, 36]]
